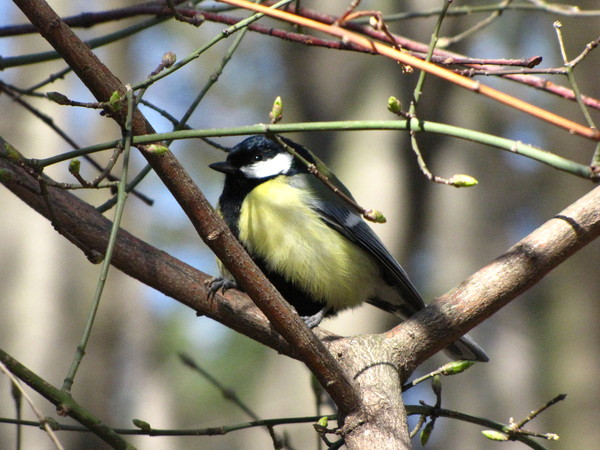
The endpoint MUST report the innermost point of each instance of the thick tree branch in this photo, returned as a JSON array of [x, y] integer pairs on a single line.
[[492, 287], [102, 83], [89, 230]]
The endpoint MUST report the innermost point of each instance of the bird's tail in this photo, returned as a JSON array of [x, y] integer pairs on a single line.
[[466, 348]]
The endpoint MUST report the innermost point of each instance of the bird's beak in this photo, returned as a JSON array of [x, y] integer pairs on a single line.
[[223, 167]]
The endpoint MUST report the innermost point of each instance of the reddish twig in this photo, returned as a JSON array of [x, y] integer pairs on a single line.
[[90, 19], [407, 59], [418, 47]]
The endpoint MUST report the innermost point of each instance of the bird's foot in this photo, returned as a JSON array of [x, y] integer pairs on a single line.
[[314, 320], [219, 283]]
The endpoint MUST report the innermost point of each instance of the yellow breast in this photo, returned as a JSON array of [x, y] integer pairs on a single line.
[[289, 236]]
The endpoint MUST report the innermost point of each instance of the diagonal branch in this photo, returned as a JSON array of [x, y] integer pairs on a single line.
[[89, 230], [102, 83], [65, 403], [413, 61], [448, 57], [495, 285]]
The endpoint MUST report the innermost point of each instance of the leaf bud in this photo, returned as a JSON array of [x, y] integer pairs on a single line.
[[494, 435], [456, 367], [277, 111], [394, 106], [462, 180], [74, 165], [372, 215]]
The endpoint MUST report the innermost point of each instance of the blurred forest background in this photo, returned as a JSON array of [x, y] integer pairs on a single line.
[[544, 343]]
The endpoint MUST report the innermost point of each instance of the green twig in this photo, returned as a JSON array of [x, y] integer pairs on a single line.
[[129, 188], [432, 44], [429, 411], [538, 411], [192, 56], [422, 126], [210, 431], [417, 95], [418, 425], [122, 194], [18, 394], [212, 79], [182, 123], [104, 171], [422, 410], [569, 66], [451, 368], [64, 402], [571, 77]]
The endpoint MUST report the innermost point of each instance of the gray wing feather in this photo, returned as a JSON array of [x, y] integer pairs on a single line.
[[351, 225]]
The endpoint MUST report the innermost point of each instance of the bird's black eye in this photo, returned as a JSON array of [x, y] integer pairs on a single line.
[[256, 158]]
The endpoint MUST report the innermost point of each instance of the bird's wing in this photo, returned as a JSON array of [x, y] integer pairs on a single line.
[[339, 216]]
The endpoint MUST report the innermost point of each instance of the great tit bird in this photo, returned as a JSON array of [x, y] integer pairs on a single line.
[[311, 244]]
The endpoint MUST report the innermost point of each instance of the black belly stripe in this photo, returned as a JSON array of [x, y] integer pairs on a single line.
[[302, 302]]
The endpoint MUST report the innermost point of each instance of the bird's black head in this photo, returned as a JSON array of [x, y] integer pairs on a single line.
[[259, 158], [251, 163]]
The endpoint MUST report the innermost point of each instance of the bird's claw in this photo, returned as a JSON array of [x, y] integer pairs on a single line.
[[219, 283], [314, 320]]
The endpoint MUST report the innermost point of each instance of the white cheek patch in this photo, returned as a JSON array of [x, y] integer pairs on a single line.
[[280, 163]]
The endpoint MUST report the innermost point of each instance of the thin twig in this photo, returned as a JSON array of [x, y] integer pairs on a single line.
[[489, 140], [371, 215], [586, 50], [195, 54], [595, 162], [106, 263], [451, 368], [230, 395], [443, 55], [64, 403], [50, 122], [210, 431], [438, 71], [543, 7], [178, 124], [571, 76], [447, 41], [537, 412], [501, 72], [417, 95], [43, 423]]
